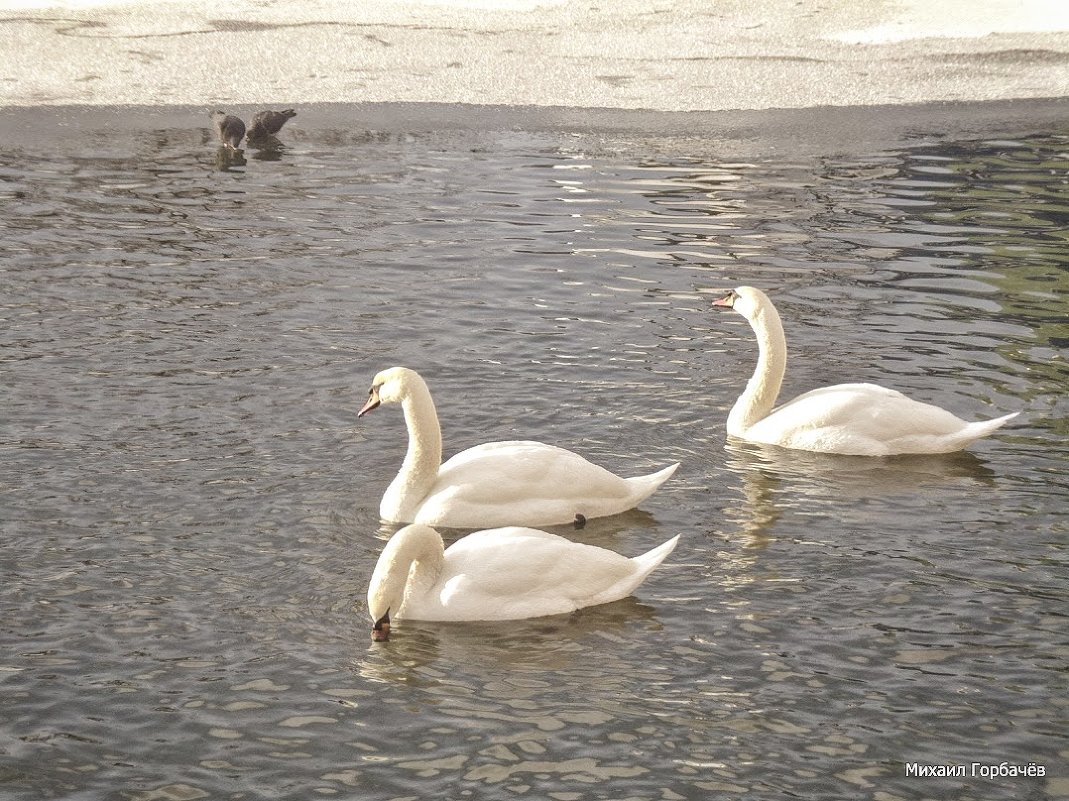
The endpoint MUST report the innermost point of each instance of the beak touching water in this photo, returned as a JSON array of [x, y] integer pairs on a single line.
[[380, 632]]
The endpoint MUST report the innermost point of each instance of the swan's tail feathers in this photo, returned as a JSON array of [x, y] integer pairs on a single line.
[[975, 431], [642, 565], [643, 487], [998, 422], [649, 560]]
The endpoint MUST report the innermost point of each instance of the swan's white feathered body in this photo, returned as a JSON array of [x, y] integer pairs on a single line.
[[853, 419], [499, 483], [496, 484], [499, 574]]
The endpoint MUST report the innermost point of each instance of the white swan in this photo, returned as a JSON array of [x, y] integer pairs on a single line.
[[495, 484], [857, 419], [499, 574]]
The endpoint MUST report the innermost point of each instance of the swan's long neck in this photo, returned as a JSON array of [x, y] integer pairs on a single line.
[[422, 460], [410, 564], [763, 387]]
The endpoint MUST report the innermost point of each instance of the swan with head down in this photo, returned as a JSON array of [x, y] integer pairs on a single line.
[[508, 573], [852, 419], [514, 482]]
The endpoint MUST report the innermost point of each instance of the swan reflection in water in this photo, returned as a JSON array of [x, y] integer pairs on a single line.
[[429, 653], [826, 474], [774, 479]]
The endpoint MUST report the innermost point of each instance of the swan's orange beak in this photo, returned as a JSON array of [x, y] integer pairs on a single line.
[[726, 302], [372, 402]]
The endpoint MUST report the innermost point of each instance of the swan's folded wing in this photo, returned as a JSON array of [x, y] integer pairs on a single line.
[[513, 573], [858, 418], [501, 483], [520, 468]]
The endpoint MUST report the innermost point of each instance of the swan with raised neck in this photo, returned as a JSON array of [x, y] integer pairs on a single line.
[[764, 385], [419, 470], [852, 419], [508, 573], [513, 482]]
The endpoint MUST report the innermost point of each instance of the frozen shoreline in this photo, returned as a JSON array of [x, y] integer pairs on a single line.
[[686, 55]]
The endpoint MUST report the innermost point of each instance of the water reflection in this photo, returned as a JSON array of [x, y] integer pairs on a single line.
[[267, 148], [418, 650], [775, 480], [692, 208], [857, 476], [227, 159]]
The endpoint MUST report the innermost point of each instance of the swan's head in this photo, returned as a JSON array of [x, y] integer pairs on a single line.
[[412, 549], [390, 386], [385, 592], [746, 300], [380, 630]]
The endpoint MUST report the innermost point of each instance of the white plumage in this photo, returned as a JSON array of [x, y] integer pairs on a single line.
[[499, 574], [515, 482], [855, 419]]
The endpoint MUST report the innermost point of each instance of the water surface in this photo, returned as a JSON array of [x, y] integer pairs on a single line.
[[189, 505]]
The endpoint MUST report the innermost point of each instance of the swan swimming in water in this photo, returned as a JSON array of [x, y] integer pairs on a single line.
[[515, 482], [852, 419], [500, 574]]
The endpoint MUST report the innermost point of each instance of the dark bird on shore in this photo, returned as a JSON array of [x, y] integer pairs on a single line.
[[268, 123], [229, 128]]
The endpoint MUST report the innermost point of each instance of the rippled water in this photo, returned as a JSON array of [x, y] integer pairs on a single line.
[[189, 505]]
